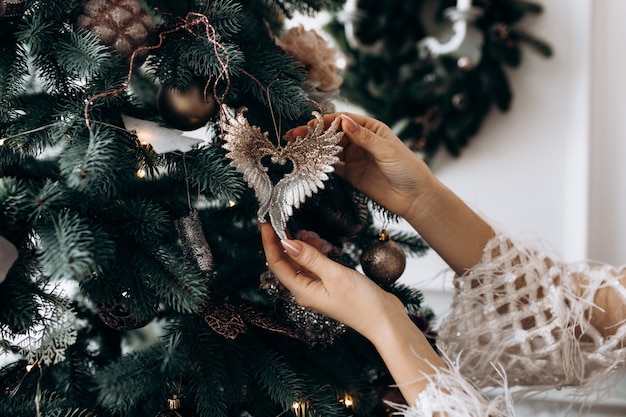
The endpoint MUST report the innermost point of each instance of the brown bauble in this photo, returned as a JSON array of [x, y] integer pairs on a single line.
[[186, 110], [117, 315], [384, 260]]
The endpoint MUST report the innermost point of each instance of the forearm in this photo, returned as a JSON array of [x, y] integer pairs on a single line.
[[407, 353], [609, 311], [450, 227]]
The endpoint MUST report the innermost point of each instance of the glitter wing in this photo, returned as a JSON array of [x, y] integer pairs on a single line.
[[313, 158], [247, 146]]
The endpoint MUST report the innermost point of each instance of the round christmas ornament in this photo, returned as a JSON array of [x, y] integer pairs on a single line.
[[186, 110], [335, 222], [118, 315], [17, 381], [313, 327], [12, 8], [384, 260], [121, 24]]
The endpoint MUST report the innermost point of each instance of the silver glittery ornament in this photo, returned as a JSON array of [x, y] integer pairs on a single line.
[[312, 327], [193, 241], [312, 156]]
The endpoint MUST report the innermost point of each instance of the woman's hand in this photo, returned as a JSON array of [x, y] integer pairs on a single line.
[[378, 163], [344, 294], [328, 287]]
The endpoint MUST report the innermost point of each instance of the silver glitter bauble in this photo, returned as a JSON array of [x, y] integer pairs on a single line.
[[312, 327]]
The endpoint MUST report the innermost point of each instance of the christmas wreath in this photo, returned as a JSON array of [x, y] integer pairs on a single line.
[[433, 98]]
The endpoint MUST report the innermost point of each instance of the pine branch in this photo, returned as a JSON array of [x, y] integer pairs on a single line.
[[98, 164], [180, 287], [71, 248], [225, 16], [210, 172], [412, 243], [82, 54], [282, 384], [14, 202], [126, 383], [51, 332]]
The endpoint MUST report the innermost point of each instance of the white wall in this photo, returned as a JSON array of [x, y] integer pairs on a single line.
[[607, 223], [551, 170]]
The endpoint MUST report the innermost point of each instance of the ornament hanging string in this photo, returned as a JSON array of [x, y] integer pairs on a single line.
[[266, 90], [191, 21]]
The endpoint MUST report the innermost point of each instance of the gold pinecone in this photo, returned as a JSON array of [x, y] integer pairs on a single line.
[[122, 24]]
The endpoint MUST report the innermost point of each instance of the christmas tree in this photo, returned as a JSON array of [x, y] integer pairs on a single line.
[[132, 276]]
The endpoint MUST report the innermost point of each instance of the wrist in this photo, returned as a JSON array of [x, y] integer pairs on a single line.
[[450, 227], [423, 206], [405, 350], [390, 314]]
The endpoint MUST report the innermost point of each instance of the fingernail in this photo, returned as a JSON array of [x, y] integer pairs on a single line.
[[294, 248], [350, 124], [288, 135]]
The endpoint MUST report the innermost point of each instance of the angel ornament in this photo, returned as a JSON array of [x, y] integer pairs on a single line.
[[312, 157]]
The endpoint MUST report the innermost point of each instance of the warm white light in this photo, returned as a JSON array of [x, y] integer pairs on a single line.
[[232, 203], [295, 406], [341, 62], [463, 4], [348, 401], [140, 173], [2, 141]]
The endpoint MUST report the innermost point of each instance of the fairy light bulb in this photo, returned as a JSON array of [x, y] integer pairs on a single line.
[[299, 408], [2, 141], [141, 173], [347, 401]]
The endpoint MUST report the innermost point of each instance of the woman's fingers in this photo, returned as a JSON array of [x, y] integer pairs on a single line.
[[304, 285], [277, 260]]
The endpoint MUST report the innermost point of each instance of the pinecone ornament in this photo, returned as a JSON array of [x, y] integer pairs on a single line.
[[122, 24]]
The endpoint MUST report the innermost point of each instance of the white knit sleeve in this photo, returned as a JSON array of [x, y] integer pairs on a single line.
[[521, 311]]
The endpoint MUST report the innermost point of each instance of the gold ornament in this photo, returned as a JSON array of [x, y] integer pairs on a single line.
[[384, 260], [121, 24], [186, 110], [174, 408], [312, 156]]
